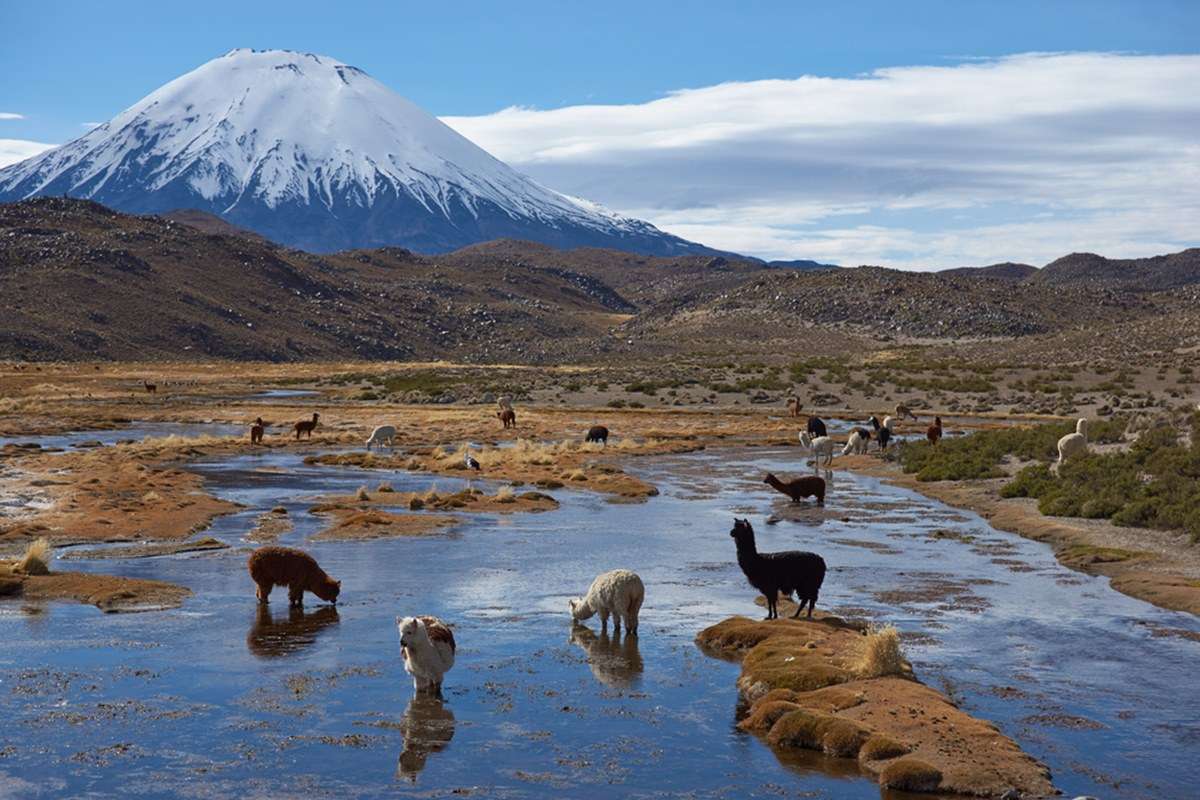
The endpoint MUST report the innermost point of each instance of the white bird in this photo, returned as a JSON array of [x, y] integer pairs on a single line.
[[470, 461]]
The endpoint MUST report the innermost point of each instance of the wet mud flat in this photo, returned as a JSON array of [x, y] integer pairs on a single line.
[[221, 698]]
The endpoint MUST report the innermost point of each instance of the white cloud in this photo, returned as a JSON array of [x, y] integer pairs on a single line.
[[14, 150], [10, 115], [90, 125], [1020, 158]]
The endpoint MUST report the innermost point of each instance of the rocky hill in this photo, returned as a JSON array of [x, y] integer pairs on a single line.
[[1139, 274]]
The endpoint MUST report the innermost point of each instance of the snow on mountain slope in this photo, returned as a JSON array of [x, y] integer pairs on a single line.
[[316, 154]]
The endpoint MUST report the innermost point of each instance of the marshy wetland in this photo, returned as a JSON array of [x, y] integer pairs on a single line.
[[212, 695]]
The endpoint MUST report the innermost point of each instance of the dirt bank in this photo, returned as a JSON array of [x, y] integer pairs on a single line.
[[354, 523], [109, 593], [1156, 566], [803, 685]]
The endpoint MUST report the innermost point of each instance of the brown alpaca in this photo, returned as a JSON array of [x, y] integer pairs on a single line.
[[934, 431], [508, 417], [306, 426], [797, 488], [295, 569], [151, 388], [256, 431], [794, 406]]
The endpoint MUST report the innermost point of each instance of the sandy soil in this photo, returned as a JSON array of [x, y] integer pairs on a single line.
[[802, 686], [351, 523], [110, 593]]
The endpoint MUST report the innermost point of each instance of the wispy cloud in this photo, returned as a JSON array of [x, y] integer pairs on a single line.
[[11, 115], [1022, 158], [90, 125], [14, 150]]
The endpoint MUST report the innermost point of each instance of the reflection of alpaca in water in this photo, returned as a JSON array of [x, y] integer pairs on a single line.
[[276, 636], [614, 662], [427, 727]]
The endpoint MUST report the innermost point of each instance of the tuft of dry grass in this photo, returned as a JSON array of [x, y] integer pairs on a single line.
[[362, 494], [384, 488], [910, 774], [505, 494], [880, 653], [880, 748], [36, 559], [578, 475]]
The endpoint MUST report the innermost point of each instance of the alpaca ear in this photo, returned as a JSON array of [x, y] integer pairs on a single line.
[[339, 584]]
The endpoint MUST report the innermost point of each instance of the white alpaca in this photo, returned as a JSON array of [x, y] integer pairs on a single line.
[[504, 401], [820, 446], [384, 434], [619, 593], [428, 649], [1073, 444], [857, 443]]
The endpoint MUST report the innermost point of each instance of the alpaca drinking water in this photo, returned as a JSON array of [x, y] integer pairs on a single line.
[[427, 645], [285, 566], [619, 593], [775, 573]]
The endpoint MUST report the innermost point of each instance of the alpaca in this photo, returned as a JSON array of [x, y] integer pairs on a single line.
[[816, 427], [256, 431], [904, 412], [807, 486], [504, 402], [619, 593], [306, 426], [151, 388], [383, 434], [794, 406], [508, 417], [285, 566], [1073, 444], [883, 432], [428, 649], [934, 431], [857, 443], [772, 573], [597, 433], [820, 446]]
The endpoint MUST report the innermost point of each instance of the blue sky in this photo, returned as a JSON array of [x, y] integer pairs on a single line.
[[468, 62]]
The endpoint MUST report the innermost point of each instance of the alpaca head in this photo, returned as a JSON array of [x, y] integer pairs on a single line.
[[1081, 426], [580, 610], [742, 531], [316, 417], [770, 478], [411, 629], [258, 421], [874, 422], [328, 589]]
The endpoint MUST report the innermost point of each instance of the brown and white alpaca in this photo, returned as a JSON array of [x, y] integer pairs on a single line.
[[427, 645], [508, 417], [306, 426], [794, 406]]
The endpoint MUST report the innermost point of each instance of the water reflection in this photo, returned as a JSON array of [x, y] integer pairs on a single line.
[[427, 727], [614, 662], [273, 636]]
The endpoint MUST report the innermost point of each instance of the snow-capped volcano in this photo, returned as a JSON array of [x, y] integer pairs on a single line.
[[316, 154]]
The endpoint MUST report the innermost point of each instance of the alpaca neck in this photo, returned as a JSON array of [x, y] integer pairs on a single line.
[[746, 551], [775, 482]]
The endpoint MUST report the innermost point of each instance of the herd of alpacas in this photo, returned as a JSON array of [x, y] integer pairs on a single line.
[[427, 643]]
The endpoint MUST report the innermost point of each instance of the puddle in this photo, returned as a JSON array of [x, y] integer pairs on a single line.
[[74, 440], [245, 700]]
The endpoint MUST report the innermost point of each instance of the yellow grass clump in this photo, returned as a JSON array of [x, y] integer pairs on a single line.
[[362, 494], [880, 653], [910, 774], [505, 494], [36, 560]]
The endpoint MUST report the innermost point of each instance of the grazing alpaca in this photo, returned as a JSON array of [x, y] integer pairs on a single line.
[[796, 488], [857, 443], [285, 566], [504, 401], [306, 426], [256, 430], [883, 432], [428, 648], [820, 446], [904, 412], [1073, 444], [508, 417], [619, 593], [794, 406], [597, 433], [772, 573], [151, 388], [816, 427], [934, 431], [383, 434]]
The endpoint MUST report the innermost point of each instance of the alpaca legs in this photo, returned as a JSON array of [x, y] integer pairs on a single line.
[[604, 621], [264, 592], [617, 624], [296, 596]]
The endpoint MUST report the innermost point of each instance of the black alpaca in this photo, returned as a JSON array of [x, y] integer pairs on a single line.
[[771, 573], [883, 434], [597, 433], [816, 427]]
